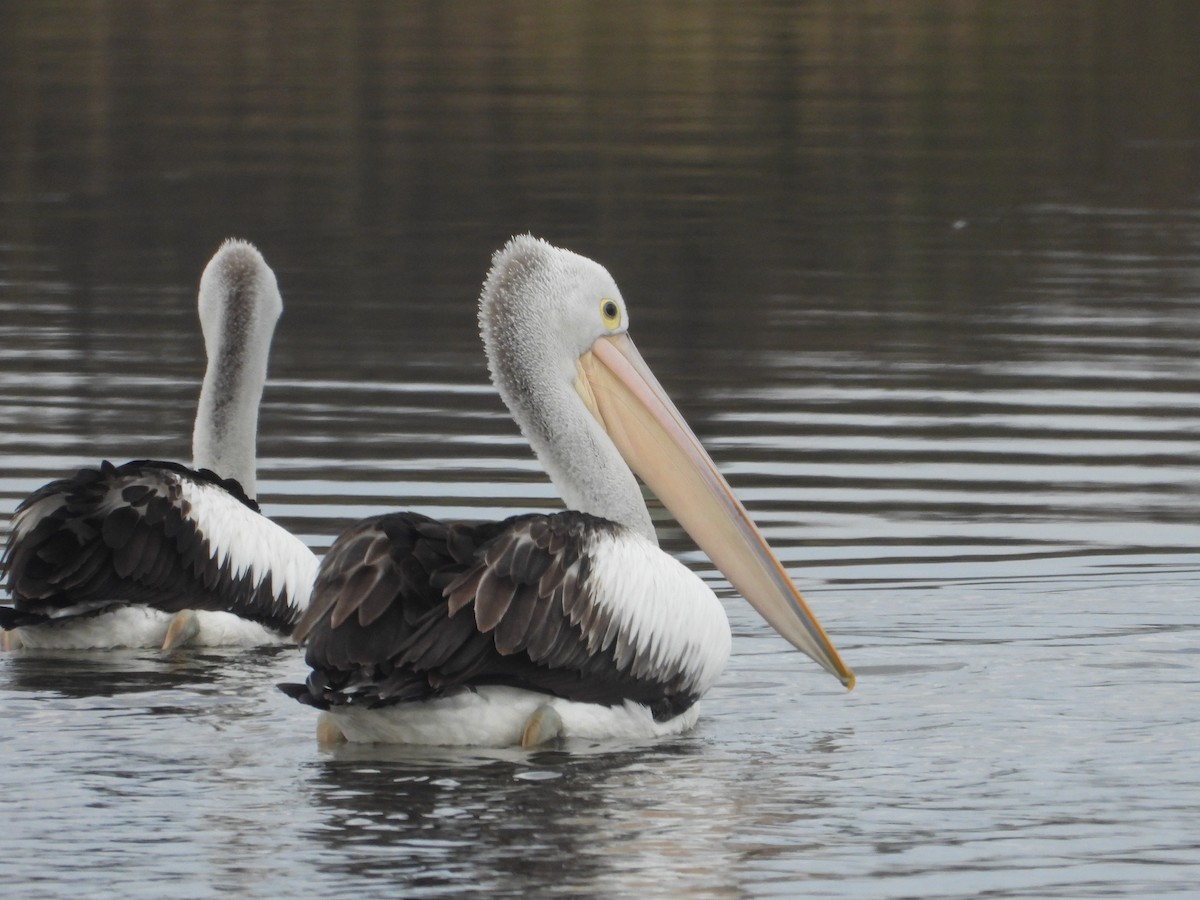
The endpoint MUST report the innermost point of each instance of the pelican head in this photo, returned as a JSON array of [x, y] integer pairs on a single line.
[[555, 329], [239, 304]]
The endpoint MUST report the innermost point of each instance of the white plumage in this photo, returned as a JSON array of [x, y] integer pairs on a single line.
[[247, 544], [666, 618], [498, 716]]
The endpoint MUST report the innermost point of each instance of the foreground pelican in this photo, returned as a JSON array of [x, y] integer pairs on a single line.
[[573, 624], [156, 554]]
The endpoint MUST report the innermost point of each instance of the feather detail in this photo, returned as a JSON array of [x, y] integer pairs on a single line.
[[391, 627], [153, 534]]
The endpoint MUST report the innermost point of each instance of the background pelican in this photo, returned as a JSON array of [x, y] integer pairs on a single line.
[[571, 624], [129, 556]]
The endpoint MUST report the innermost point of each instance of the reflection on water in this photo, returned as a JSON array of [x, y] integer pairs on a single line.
[[89, 674], [922, 277], [534, 821]]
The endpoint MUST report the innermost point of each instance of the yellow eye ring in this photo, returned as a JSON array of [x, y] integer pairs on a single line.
[[610, 313]]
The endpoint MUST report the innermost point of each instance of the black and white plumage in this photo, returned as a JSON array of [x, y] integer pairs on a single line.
[[569, 624], [507, 614], [157, 554]]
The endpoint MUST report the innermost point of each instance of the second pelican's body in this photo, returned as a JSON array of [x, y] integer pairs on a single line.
[[158, 554], [572, 624]]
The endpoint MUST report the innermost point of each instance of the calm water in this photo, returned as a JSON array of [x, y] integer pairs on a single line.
[[924, 277]]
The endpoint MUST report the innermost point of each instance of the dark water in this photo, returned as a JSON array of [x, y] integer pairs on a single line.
[[923, 276]]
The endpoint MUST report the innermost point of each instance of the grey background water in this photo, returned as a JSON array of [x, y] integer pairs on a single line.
[[923, 276]]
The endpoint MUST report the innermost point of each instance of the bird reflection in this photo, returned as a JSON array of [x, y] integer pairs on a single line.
[[79, 674], [598, 821]]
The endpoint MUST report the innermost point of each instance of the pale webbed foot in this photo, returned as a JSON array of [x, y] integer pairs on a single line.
[[11, 640], [544, 725], [184, 628], [328, 733]]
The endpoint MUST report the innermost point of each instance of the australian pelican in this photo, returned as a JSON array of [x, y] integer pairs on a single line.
[[571, 624], [158, 554]]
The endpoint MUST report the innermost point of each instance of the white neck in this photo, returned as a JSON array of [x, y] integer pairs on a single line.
[[581, 459], [239, 305], [226, 431], [535, 381]]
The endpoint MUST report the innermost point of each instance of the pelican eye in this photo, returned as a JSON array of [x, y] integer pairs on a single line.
[[611, 313]]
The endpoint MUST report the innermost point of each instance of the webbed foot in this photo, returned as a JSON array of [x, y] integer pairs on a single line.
[[328, 733], [544, 725], [183, 629]]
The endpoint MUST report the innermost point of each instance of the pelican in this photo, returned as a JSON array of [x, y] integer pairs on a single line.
[[158, 554], [545, 626]]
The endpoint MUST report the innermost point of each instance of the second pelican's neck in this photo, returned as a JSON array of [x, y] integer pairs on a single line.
[[239, 304], [226, 430]]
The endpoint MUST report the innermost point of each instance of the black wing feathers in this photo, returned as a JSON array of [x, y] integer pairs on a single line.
[[407, 608], [117, 535]]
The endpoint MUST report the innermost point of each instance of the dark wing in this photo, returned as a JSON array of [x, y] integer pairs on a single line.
[[121, 535], [408, 608]]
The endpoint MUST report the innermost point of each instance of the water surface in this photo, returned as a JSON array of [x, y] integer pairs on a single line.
[[924, 279]]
